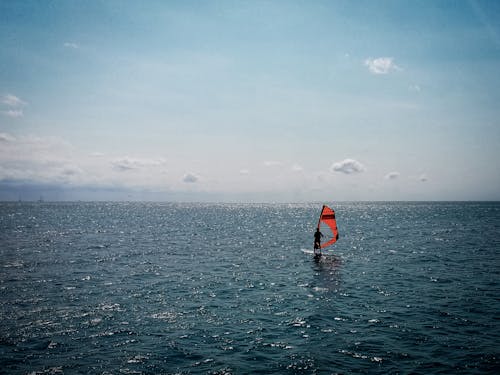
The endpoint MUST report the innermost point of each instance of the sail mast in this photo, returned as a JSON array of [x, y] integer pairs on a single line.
[[321, 214]]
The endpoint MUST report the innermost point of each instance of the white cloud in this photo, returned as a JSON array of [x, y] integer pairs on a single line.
[[244, 172], [348, 166], [41, 149], [14, 106], [128, 163], [31, 160], [297, 168], [12, 101], [392, 176], [4, 137], [40, 159], [381, 65], [190, 178], [423, 177], [414, 88], [71, 45], [14, 113]]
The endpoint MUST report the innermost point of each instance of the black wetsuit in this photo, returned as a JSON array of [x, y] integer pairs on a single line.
[[317, 239]]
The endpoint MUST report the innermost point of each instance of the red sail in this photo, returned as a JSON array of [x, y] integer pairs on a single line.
[[328, 217]]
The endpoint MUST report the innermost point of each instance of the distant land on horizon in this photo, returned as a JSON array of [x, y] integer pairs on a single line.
[[123, 195]]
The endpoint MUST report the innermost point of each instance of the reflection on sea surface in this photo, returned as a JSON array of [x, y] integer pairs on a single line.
[[209, 288]]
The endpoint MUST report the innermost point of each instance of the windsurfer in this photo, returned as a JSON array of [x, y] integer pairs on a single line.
[[317, 242]]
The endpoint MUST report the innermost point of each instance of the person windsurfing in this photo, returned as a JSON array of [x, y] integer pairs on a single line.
[[317, 243]]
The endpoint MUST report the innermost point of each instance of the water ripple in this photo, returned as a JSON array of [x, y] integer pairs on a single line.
[[226, 289]]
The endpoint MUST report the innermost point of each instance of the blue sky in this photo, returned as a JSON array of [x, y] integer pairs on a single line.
[[250, 100]]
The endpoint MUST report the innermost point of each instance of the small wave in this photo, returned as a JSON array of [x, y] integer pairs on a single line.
[[318, 289], [130, 372], [97, 247], [14, 264], [281, 313], [208, 360], [137, 359], [52, 345], [298, 322], [95, 321], [50, 370], [110, 307], [354, 354], [279, 345], [168, 316]]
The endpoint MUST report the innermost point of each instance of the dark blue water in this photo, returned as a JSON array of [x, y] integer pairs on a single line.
[[113, 288]]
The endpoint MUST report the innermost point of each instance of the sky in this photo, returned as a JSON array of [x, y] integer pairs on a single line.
[[250, 101]]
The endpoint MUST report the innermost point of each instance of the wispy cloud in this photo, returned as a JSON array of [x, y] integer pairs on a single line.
[[297, 168], [128, 163], [52, 160], [41, 159], [190, 178], [12, 101], [4, 137], [12, 106], [348, 166], [71, 45], [381, 65], [423, 177], [392, 176], [13, 113], [414, 88]]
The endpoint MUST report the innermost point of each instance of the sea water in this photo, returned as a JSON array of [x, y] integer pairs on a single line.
[[164, 288]]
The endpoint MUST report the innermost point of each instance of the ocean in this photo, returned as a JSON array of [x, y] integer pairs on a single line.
[[173, 288]]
